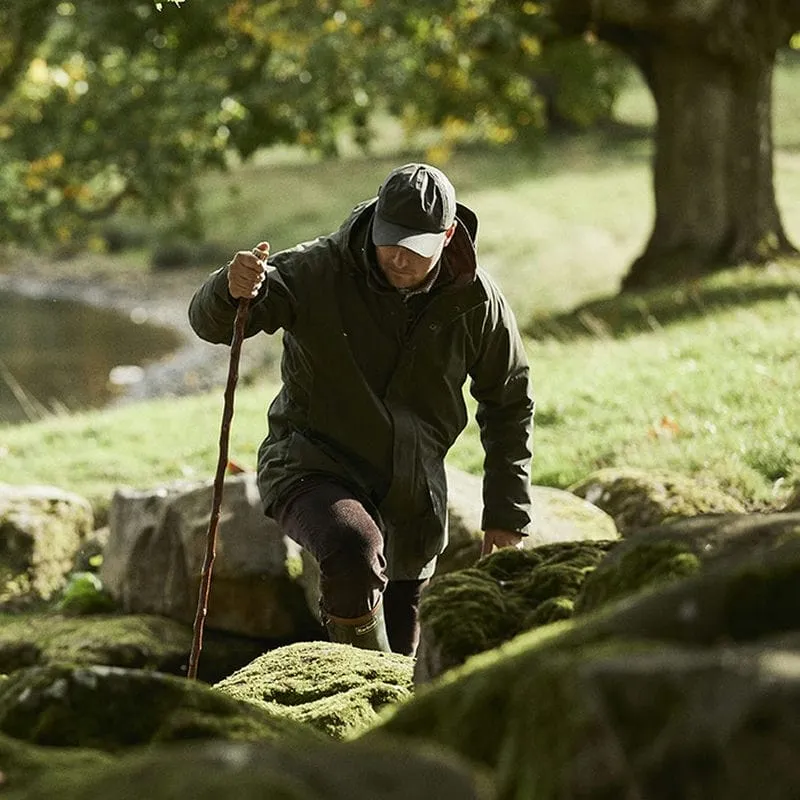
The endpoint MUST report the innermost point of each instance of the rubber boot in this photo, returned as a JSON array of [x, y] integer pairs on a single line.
[[367, 632]]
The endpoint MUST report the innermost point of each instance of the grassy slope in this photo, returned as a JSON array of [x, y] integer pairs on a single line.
[[697, 379]]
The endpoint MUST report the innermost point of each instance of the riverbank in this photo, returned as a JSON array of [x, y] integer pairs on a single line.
[[146, 296]]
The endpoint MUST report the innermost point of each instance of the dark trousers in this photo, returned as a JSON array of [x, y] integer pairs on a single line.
[[331, 523]]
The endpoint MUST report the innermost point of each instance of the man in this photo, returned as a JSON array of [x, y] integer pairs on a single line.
[[384, 321]]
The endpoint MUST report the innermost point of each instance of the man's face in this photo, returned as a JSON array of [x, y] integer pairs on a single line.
[[404, 268]]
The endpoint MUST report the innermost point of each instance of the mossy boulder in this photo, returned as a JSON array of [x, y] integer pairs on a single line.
[[685, 691], [606, 721], [510, 591], [24, 764], [334, 688], [560, 517], [638, 498], [666, 553], [108, 708], [130, 641], [277, 771], [41, 530]]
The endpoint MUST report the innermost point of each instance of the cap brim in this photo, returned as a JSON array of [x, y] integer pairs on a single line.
[[422, 243]]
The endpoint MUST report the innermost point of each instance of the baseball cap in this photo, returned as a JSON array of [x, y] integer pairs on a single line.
[[416, 205]]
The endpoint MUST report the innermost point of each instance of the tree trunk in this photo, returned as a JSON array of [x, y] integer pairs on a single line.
[[713, 175]]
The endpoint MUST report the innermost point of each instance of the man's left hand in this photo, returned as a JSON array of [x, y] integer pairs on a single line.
[[497, 537]]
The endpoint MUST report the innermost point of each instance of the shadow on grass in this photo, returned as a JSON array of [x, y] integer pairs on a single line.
[[630, 313]]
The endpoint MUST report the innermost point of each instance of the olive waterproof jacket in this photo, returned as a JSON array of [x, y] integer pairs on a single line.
[[372, 390]]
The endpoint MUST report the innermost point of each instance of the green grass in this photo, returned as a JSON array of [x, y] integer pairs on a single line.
[[699, 379], [714, 391]]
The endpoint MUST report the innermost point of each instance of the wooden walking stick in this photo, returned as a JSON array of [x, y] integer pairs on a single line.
[[219, 482]]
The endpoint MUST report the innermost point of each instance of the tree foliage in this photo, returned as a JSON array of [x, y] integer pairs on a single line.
[[102, 103]]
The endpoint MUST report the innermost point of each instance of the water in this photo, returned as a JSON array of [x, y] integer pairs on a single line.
[[59, 355]]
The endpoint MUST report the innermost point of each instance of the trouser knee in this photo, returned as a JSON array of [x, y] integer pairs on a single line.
[[352, 575]]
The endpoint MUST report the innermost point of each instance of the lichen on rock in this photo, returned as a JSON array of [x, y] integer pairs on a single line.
[[335, 688], [637, 498]]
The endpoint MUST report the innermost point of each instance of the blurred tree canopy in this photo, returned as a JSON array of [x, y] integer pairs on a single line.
[[102, 103]]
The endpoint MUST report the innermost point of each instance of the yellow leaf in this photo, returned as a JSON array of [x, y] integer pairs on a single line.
[[38, 71], [530, 45], [438, 153], [55, 160]]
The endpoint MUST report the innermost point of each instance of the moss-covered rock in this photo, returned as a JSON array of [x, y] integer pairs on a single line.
[[611, 721], [24, 764], [508, 592], [638, 498], [41, 530], [131, 641], [666, 553], [671, 691], [560, 517], [108, 708], [335, 688], [277, 771]]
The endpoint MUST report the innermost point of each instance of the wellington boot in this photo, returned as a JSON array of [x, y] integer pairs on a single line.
[[367, 632]]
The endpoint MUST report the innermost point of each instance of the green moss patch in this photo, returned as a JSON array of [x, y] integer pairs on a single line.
[[639, 498], [108, 708], [335, 688], [131, 641], [667, 553], [670, 692], [508, 592], [278, 771], [23, 764]]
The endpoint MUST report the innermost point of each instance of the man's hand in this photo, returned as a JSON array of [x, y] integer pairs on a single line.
[[247, 271], [496, 537]]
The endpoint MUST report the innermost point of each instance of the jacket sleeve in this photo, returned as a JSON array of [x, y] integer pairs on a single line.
[[501, 385], [212, 310]]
